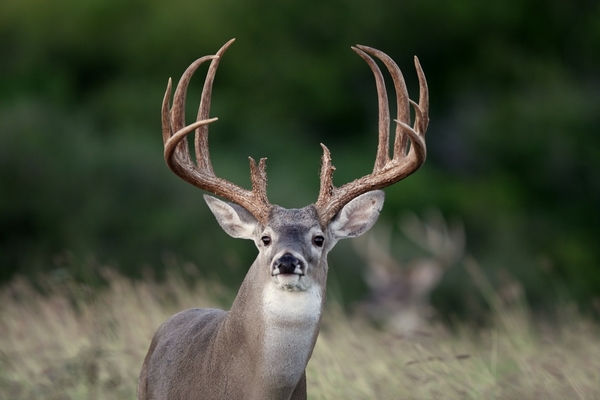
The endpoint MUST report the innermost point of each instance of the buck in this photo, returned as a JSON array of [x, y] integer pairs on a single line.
[[259, 349]]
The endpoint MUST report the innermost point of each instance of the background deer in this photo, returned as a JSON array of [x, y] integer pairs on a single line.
[[260, 348], [399, 295]]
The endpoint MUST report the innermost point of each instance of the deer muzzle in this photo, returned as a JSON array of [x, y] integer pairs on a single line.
[[287, 265]]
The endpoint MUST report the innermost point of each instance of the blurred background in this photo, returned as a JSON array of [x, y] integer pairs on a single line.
[[514, 139]]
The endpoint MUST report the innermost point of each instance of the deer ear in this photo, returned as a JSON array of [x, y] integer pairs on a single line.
[[358, 216], [234, 219]]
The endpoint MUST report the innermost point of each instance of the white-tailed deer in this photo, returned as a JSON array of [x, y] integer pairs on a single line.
[[399, 296], [259, 349]]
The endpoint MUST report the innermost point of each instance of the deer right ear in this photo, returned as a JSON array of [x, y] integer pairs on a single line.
[[358, 216], [234, 219]]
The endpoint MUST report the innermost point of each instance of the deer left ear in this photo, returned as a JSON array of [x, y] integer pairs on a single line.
[[358, 216]]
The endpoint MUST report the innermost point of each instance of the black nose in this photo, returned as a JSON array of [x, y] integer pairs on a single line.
[[287, 264]]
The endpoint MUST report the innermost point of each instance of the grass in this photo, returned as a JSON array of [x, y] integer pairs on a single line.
[[74, 343]]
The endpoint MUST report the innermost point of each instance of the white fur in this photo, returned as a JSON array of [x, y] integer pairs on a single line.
[[291, 318]]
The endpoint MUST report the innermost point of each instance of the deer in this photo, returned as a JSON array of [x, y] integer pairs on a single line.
[[260, 348], [399, 295]]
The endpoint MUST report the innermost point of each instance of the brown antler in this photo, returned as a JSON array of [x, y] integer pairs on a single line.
[[177, 154], [409, 146]]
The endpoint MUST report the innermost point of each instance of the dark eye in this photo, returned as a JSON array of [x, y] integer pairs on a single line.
[[266, 240], [318, 241]]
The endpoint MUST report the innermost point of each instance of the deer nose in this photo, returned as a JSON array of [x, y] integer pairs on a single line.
[[288, 264]]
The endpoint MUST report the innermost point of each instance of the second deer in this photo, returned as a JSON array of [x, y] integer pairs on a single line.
[[399, 295], [259, 349]]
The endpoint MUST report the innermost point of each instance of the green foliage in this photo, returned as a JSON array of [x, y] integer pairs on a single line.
[[513, 144]]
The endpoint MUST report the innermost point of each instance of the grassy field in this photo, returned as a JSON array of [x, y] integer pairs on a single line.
[[72, 343]]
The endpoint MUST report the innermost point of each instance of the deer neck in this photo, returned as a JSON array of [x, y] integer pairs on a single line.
[[280, 327], [291, 328]]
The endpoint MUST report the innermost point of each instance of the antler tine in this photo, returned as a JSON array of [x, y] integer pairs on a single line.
[[173, 119], [383, 153], [202, 175], [417, 134], [421, 109], [402, 100], [201, 141], [402, 138], [409, 144]]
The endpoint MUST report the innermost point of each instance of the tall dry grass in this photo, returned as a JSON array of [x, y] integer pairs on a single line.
[[73, 343]]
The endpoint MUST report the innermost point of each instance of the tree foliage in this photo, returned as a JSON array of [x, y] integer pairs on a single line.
[[513, 142]]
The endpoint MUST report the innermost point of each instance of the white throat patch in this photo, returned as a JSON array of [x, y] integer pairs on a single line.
[[291, 318]]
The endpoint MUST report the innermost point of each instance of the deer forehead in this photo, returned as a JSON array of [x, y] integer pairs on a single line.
[[293, 222]]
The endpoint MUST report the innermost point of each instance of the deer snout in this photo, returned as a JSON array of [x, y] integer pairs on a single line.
[[288, 264]]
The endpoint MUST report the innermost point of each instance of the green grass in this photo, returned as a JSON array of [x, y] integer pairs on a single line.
[[73, 343]]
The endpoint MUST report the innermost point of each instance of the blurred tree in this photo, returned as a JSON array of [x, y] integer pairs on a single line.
[[513, 142]]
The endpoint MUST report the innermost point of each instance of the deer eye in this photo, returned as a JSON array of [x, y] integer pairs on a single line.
[[266, 240], [318, 241]]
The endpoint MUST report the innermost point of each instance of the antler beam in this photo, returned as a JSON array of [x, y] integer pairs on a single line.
[[409, 150], [201, 174]]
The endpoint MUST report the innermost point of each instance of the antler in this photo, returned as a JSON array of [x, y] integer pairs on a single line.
[[409, 145], [177, 154]]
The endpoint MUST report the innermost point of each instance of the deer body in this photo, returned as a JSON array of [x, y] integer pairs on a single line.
[[271, 329], [260, 348]]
